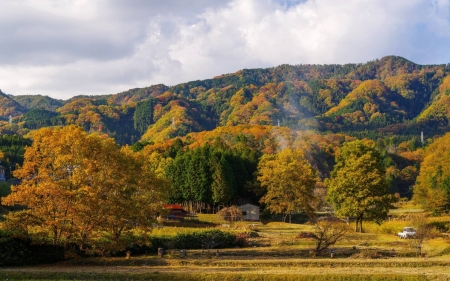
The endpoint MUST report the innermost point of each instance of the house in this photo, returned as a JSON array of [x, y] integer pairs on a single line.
[[249, 212], [2, 173], [176, 212]]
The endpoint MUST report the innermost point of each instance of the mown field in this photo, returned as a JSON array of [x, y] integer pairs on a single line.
[[274, 251]]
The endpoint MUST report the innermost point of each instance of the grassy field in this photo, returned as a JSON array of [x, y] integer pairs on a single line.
[[274, 253]]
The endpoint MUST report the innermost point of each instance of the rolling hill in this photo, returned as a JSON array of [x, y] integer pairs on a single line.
[[387, 96]]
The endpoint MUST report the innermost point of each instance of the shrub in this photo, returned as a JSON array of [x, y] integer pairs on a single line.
[[16, 251], [305, 235], [205, 240], [442, 226], [208, 239], [242, 240], [232, 213]]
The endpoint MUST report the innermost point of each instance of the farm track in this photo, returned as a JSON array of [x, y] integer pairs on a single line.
[[432, 269], [243, 261]]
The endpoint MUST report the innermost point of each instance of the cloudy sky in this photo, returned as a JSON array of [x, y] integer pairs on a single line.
[[63, 48]]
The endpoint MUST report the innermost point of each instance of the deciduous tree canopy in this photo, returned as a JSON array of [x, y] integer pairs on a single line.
[[289, 180], [358, 187], [84, 186], [432, 188]]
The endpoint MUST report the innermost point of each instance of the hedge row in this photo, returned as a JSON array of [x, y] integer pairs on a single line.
[[15, 251], [210, 239]]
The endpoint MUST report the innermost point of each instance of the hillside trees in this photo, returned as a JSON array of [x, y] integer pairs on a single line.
[[358, 187], [143, 115], [38, 118], [289, 180], [13, 149], [432, 188], [84, 188], [385, 95]]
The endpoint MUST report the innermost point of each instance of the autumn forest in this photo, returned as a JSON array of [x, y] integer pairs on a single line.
[[93, 172]]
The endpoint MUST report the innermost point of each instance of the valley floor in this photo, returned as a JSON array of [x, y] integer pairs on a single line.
[[237, 268]]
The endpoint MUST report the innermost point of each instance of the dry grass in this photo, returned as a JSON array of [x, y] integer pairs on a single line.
[[275, 254], [233, 268]]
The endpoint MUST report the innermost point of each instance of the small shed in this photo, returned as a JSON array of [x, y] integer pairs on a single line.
[[2, 173], [176, 212], [249, 212]]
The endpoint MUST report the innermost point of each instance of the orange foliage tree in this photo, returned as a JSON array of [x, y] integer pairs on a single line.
[[84, 188]]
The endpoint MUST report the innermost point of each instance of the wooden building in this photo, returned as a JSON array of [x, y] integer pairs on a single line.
[[176, 212], [249, 212]]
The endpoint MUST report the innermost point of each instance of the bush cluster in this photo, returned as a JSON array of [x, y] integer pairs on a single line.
[[232, 213], [16, 252], [210, 239], [242, 240]]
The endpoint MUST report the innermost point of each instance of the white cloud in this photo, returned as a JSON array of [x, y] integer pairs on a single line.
[[64, 48], [318, 31]]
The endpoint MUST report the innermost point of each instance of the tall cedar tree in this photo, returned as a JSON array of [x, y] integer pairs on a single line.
[[207, 176], [223, 185]]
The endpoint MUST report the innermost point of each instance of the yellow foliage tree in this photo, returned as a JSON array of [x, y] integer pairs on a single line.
[[289, 180], [432, 188]]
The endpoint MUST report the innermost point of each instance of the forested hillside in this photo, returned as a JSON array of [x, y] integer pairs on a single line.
[[350, 139], [253, 112], [390, 96], [38, 102]]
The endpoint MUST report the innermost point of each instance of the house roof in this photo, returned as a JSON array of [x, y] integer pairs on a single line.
[[249, 206], [173, 207]]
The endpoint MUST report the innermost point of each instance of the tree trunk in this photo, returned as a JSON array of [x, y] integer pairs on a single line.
[[361, 221], [318, 247], [356, 224], [55, 235]]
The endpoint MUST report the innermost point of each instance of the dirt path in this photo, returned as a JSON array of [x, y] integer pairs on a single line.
[[429, 271], [437, 268]]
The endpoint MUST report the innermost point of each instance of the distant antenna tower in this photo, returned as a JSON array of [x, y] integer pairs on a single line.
[[173, 122], [10, 120], [421, 137]]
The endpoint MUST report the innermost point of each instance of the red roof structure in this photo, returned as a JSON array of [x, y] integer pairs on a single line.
[[173, 207], [177, 212]]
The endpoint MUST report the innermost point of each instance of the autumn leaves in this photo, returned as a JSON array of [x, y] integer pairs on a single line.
[[84, 189], [289, 181]]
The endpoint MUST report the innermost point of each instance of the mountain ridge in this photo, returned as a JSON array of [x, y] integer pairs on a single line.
[[387, 94]]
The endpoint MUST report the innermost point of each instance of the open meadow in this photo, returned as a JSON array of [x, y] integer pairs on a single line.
[[271, 251]]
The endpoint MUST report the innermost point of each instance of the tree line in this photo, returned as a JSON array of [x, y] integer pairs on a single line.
[[211, 175], [83, 189]]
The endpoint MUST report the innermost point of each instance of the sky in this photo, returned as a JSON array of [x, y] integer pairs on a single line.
[[64, 48]]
